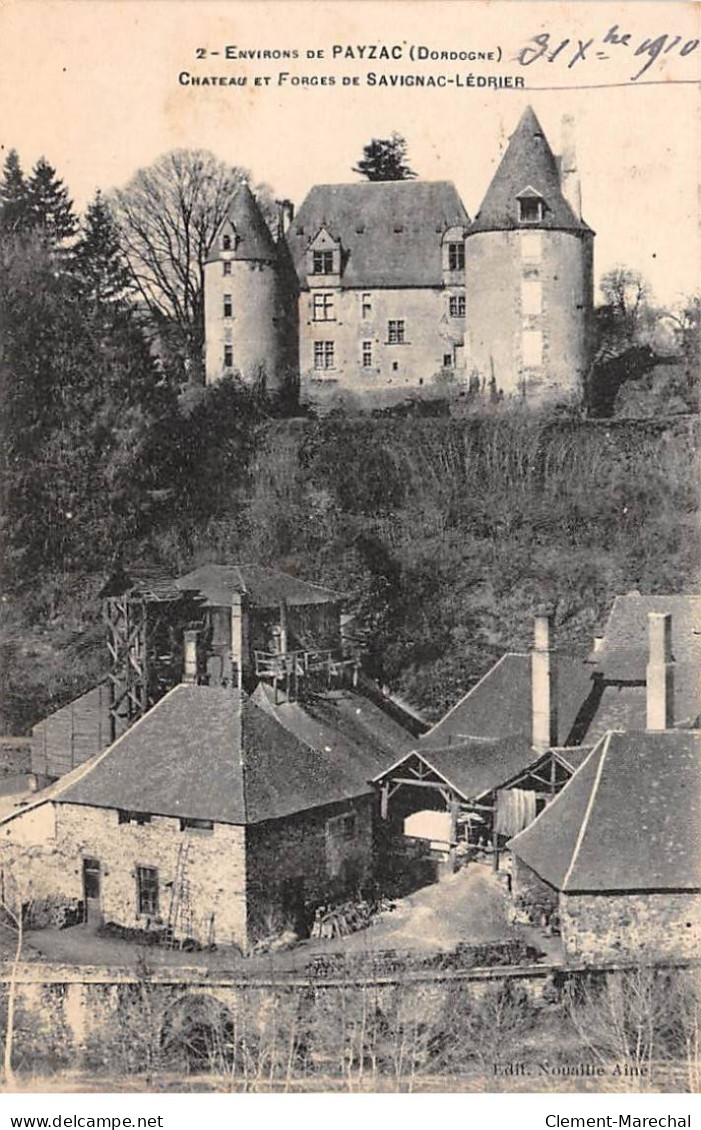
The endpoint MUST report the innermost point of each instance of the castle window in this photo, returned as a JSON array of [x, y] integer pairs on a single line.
[[366, 307], [396, 332], [323, 355], [456, 305], [531, 246], [456, 256], [226, 243], [367, 354], [147, 890], [228, 356], [447, 360], [227, 267], [530, 210], [228, 306], [532, 349], [322, 262], [531, 296], [322, 308]]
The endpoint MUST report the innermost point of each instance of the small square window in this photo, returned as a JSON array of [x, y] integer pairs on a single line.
[[367, 354], [228, 306], [226, 265], [456, 305], [322, 308], [323, 355], [322, 262], [226, 243], [447, 360], [228, 356], [530, 210]]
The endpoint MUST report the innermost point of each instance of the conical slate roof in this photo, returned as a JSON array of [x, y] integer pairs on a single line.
[[527, 165], [254, 241], [628, 820]]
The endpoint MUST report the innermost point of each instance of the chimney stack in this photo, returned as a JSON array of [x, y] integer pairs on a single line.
[[240, 641], [569, 173], [544, 685], [660, 672], [190, 665]]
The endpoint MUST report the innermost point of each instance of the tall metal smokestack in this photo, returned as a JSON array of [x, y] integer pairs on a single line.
[[569, 173], [543, 685], [660, 672]]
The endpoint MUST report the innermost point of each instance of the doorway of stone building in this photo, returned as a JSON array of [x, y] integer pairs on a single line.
[[91, 891]]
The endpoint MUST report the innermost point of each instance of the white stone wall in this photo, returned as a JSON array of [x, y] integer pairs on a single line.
[[215, 869], [430, 334]]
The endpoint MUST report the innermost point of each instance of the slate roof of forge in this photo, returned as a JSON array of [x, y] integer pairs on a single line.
[[499, 705], [265, 588], [254, 241], [528, 163], [390, 231], [628, 820], [209, 753]]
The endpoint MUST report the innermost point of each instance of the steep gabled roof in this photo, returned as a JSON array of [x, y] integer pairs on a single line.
[[623, 651], [390, 231], [254, 240], [527, 164], [265, 588], [209, 753], [628, 820], [476, 767], [500, 704]]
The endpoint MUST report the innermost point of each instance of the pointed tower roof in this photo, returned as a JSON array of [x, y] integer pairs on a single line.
[[528, 167], [253, 239]]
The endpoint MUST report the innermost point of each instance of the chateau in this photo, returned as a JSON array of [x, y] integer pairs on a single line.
[[389, 283]]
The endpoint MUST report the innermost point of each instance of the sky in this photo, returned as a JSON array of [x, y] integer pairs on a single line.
[[94, 86]]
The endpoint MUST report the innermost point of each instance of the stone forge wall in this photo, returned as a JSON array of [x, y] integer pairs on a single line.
[[52, 858], [609, 927], [531, 897], [496, 267], [430, 334], [296, 863]]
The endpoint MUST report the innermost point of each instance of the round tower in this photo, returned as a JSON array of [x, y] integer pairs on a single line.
[[529, 275], [249, 308]]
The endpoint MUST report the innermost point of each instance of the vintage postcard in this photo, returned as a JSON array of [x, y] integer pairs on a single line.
[[350, 627]]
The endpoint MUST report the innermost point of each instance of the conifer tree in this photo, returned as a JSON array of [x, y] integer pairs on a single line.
[[14, 195], [385, 159], [50, 205], [99, 263]]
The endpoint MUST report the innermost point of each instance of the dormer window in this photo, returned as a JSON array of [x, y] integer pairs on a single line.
[[322, 263], [530, 206], [226, 243], [456, 256]]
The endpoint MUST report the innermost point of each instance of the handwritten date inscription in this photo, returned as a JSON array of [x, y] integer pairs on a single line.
[[575, 51]]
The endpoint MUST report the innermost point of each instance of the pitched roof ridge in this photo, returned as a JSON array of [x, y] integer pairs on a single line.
[[467, 694], [590, 806]]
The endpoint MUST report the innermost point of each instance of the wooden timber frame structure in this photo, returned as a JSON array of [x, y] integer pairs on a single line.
[[545, 775], [140, 672]]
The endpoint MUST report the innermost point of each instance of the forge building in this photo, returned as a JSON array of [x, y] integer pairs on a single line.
[[390, 283]]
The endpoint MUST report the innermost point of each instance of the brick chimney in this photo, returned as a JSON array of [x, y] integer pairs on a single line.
[[190, 664], [240, 639], [660, 672], [569, 173], [543, 685]]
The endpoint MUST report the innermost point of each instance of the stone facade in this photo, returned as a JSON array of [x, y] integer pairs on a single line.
[[243, 882], [364, 356], [664, 925], [297, 863], [529, 303], [532, 899]]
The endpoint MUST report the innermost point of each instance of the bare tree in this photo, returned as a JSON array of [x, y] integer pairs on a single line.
[[14, 909], [168, 215]]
